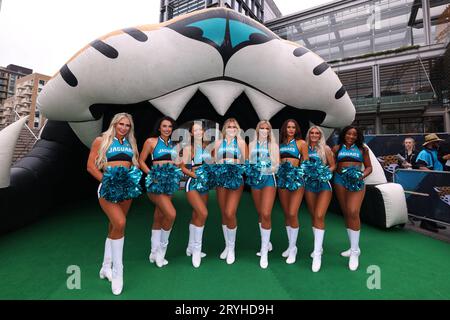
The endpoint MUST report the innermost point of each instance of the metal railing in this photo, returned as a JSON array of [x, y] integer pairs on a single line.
[[31, 131]]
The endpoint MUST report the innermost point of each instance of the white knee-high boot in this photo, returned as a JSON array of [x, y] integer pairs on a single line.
[[231, 240], [285, 253], [270, 243], [155, 240], [191, 241], [197, 246], [265, 240], [353, 262], [224, 253], [318, 249], [161, 252], [117, 269], [292, 246], [106, 270]]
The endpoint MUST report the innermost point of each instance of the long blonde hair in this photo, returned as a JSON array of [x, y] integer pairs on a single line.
[[270, 137], [108, 136], [225, 124], [321, 144], [272, 143]]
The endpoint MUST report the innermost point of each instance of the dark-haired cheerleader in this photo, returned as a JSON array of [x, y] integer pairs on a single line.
[[293, 151], [197, 188], [161, 182], [351, 155]]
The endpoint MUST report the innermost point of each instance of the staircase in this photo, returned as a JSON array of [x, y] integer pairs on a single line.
[[24, 143]]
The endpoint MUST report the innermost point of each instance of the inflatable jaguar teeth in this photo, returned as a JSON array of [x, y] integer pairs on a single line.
[[211, 64], [218, 52]]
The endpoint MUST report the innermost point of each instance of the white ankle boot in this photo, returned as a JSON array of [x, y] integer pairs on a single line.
[[270, 247], [224, 253], [285, 253], [106, 269], [265, 240], [197, 246], [231, 240], [191, 241], [117, 269], [161, 252]]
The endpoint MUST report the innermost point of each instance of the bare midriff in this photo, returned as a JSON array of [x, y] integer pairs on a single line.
[[126, 164]]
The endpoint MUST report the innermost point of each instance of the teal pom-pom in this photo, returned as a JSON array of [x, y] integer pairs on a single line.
[[253, 173], [290, 177], [163, 179], [120, 183], [201, 183], [134, 186], [229, 176], [316, 173], [352, 177]]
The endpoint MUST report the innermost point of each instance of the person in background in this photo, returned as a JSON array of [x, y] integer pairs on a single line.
[[444, 154], [408, 154], [427, 160]]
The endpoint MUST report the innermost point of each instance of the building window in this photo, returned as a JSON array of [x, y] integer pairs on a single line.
[[42, 82], [367, 126], [433, 124], [409, 125]]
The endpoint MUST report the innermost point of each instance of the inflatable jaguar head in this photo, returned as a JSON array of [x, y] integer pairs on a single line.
[[210, 64]]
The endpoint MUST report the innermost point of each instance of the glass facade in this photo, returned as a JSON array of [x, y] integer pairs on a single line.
[[365, 28], [375, 47], [255, 9]]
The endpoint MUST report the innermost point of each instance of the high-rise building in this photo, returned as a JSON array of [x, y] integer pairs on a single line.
[[8, 78], [391, 55], [260, 10], [23, 102]]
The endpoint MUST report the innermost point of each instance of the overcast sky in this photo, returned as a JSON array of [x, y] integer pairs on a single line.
[[43, 34]]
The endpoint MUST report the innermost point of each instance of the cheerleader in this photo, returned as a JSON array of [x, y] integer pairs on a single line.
[[230, 152], [197, 187], [351, 154], [113, 161], [161, 182], [293, 150], [318, 192], [264, 160]]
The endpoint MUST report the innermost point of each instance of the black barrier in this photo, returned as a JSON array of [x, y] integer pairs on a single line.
[[427, 193]]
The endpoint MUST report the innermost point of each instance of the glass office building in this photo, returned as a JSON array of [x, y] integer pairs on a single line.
[[260, 10], [390, 55]]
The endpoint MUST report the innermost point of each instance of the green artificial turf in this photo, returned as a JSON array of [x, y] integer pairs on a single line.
[[34, 259]]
